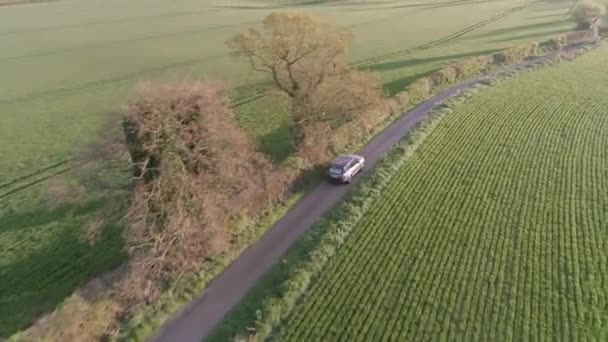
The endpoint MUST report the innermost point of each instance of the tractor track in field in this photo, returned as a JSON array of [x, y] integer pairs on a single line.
[[198, 319], [129, 40], [47, 29], [238, 101]]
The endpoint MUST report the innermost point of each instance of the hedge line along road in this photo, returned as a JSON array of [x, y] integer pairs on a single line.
[[197, 320]]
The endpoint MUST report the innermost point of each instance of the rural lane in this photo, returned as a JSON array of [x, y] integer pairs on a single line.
[[196, 321]]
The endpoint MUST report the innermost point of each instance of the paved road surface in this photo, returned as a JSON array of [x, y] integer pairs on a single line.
[[197, 319]]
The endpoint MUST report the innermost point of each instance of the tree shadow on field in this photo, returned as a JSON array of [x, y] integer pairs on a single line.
[[44, 215], [460, 3], [532, 36], [520, 29], [290, 4], [426, 5], [545, 16], [397, 85], [277, 144], [410, 62], [39, 281]]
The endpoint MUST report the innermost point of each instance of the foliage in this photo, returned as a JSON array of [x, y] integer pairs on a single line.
[[444, 76], [299, 52], [297, 49], [192, 170], [471, 66], [335, 104], [516, 54], [588, 11]]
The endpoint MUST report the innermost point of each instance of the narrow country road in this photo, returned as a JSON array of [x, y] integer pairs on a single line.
[[196, 321]]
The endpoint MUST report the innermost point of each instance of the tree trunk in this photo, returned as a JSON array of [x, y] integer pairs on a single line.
[[302, 112]]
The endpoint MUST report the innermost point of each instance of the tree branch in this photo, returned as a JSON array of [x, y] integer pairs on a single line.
[[254, 66], [278, 83], [294, 84], [300, 57]]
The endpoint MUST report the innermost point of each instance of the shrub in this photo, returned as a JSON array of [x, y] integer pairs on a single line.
[[471, 66], [554, 43], [403, 98], [588, 11], [419, 89], [443, 77], [339, 101], [191, 166], [516, 54]]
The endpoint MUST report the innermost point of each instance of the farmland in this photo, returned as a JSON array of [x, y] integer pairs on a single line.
[[66, 65], [494, 229]]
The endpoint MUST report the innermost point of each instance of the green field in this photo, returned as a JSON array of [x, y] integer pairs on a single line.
[[495, 229], [65, 65]]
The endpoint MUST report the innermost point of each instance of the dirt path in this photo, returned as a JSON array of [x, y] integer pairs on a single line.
[[197, 319]]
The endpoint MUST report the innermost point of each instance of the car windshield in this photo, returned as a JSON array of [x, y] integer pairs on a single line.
[[336, 169]]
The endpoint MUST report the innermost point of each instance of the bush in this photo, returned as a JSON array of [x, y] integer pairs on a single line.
[[191, 165], [443, 77], [471, 66], [340, 100], [419, 89], [336, 103], [403, 98], [554, 44], [516, 54], [588, 11]]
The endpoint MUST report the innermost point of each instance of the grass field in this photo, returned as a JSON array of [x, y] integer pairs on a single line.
[[495, 229], [66, 64]]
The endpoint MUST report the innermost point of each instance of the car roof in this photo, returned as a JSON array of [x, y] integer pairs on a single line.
[[344, 159]]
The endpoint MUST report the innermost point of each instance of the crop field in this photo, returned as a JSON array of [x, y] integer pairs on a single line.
[[65, 65], [496, 229]]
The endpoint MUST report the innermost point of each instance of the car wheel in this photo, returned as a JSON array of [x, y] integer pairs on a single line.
[[347, 180]]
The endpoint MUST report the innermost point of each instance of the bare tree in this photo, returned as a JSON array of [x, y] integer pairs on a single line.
[[298, 51]]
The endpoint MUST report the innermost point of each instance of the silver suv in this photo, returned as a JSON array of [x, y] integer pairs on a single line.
[[345, 167]]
